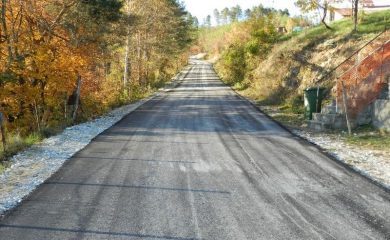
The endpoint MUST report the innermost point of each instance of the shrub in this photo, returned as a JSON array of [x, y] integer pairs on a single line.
[[233, 64]]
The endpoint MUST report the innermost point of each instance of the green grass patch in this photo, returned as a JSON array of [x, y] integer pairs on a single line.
[[369, 24], [375, 141], [17, 143], [368, 137], [286, 114], [365, 136], [290, 119]]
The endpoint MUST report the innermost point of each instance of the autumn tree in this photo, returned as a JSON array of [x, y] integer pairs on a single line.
[[52, 51]]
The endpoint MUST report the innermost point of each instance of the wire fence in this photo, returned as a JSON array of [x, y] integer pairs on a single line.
[[364, 76], [364, 81]]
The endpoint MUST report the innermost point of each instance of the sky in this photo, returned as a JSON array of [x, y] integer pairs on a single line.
[[202, 8]]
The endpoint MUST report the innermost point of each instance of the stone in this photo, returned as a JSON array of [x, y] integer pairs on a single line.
[[381, 114]]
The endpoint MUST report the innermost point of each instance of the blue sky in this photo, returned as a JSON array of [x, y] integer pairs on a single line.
[[202, 8]]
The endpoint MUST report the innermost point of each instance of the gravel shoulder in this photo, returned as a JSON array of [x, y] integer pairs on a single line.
[[369, 161], [31, 167]]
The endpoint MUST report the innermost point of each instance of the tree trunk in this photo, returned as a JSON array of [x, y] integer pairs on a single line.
[[139, 57], [146, 57], [127, 70], [127, 65], [5, 30], [37, 117], [324, 16], [2, 130], [77, 103], [355, 14], [66, 107], [43, 111]]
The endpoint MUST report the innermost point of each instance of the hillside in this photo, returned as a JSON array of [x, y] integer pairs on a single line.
[[294, 62]]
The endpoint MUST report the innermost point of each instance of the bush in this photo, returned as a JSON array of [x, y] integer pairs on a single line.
[[233, 64], [297, 104]]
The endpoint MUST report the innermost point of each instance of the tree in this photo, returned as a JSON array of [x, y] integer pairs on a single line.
[[225, 15], [260, 11], [284, 12], [235, 13], [207, 21], [248, 13], [56, 52], [217, 17], [127, 67], [195, 22], [312, 5]]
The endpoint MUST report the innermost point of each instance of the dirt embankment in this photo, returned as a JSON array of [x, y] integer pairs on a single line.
[[299, 62]]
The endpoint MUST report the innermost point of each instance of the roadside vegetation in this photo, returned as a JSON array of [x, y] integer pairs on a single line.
[[365, 137], [273, 67], [64, 62]]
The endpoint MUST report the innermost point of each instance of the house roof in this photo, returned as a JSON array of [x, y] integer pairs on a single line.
[[363, 3], [382, 6], [367, 3], [346, 12]]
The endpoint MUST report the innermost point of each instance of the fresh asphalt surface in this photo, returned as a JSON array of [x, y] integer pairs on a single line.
[[199, 162]]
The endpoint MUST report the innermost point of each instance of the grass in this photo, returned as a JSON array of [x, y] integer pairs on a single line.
[[368, 137], [17, 143], [286, 114], [369, 24], [303, 57], [290, 119], [298, 51]]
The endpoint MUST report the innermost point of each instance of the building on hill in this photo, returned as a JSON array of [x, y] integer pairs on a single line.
[[281, 29], [339, 10]]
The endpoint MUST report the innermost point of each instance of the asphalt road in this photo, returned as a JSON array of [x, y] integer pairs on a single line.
[[199, 162]]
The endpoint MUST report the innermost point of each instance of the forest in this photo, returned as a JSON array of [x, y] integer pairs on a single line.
[[67, 61]]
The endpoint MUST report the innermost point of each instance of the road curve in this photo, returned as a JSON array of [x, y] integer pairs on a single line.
[[199, 162]]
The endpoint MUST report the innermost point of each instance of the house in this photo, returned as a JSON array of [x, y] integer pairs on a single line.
[[281, 29], [339, 10]]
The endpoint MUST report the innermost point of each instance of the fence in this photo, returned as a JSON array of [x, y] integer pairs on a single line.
[[364, 75]]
